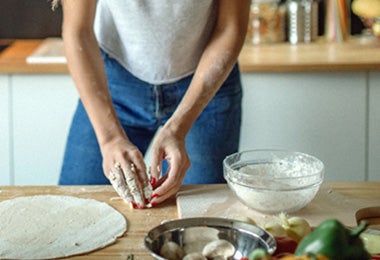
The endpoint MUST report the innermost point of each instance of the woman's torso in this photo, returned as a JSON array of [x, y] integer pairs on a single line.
[[158, 41]]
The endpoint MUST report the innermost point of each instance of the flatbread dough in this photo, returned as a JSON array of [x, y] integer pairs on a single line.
[[53, 226]]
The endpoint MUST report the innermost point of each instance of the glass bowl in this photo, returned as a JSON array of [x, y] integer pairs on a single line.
[[243, 236], [273, 181]]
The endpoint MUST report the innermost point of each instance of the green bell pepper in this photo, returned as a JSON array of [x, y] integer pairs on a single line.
[[332, 239]]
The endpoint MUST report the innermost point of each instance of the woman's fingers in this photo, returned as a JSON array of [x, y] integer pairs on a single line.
[[117, 180], [147, 191], [170, 183], [140, 190], [125, 181], [156, 166], [144, 180]]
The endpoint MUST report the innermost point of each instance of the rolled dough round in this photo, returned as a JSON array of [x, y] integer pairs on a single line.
[[54, 226]]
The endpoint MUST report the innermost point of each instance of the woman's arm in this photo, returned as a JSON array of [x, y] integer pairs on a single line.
[[217, 60], [86, 67]]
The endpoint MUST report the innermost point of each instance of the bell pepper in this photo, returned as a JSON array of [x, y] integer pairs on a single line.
[[285, 245], [305, 257], [260, 254], [332, 239]]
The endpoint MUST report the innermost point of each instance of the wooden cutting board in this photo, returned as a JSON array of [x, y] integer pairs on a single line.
[[218, 201]]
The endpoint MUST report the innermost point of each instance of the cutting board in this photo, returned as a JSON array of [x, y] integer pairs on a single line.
[[218, 201], [49, 51]]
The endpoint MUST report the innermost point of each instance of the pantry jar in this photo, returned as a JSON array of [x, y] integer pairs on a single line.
[[302, 20], [266, 22]]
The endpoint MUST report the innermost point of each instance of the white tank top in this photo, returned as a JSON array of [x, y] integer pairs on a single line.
[[158, 41]]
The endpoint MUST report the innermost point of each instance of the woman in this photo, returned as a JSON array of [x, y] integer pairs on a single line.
[[166, 73]]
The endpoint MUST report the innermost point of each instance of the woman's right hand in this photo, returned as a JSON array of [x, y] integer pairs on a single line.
[[123, 165]]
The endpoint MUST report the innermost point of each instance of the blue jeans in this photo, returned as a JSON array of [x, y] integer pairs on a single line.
[[142, 108]]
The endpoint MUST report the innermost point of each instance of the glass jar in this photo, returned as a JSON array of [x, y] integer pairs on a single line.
[[266, 22]]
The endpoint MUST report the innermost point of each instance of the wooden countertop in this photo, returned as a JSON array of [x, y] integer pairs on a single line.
[[354, 54], [140, 221], [13, 60]]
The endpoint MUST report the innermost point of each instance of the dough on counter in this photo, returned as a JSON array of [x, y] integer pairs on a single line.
[[54, 226]]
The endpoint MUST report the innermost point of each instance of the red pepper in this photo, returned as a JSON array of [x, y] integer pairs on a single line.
[[285, 245], [375, 257]]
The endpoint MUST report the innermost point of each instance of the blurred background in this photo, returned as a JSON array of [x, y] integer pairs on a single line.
[[34, 19], [29, 19]]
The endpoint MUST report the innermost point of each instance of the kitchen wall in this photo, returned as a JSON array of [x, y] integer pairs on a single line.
[[26, 19], [23, 19]]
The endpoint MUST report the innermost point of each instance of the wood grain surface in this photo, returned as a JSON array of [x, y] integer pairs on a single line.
[[350, 196], [139, 221], [337, 200], [353, 54]]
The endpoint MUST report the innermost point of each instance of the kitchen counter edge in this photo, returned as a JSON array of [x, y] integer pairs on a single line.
[[353, 55]]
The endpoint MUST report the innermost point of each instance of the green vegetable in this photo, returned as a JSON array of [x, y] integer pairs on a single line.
[[257, 254], [332, 239]]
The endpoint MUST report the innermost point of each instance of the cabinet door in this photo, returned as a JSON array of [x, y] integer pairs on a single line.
[[5, 161], [323, 114], [374, 127], [43, 106]]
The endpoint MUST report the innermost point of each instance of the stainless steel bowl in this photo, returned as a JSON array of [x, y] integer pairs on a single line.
[[245, 237]]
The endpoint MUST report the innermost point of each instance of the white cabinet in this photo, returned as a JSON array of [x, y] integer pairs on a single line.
[[5, 122], [43, 106], [323, 114], [374, 127], [334, 116]]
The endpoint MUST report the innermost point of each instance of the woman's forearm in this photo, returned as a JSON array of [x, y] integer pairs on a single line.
[[215, 65], [86, 67], [87, 71]]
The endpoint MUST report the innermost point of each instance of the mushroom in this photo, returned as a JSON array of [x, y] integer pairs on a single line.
[[194, 256], [218, 249], [193, 234], [171, 251], [195, 238]]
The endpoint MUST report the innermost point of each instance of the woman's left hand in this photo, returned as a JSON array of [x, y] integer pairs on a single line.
[[168, 146]]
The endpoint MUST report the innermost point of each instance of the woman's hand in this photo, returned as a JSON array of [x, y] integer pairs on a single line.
[[123, 165], [168, 146], [218, 58]]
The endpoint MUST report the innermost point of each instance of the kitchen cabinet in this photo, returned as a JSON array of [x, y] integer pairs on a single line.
[[374, 126], [320, 113], [42, 106], [322, 99], [5, 124], [324, 114]]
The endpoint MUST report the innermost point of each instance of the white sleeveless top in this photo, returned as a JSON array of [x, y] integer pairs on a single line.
[[158, 41]]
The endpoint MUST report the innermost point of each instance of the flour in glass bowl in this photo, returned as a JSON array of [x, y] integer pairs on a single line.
[[277, 185]]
